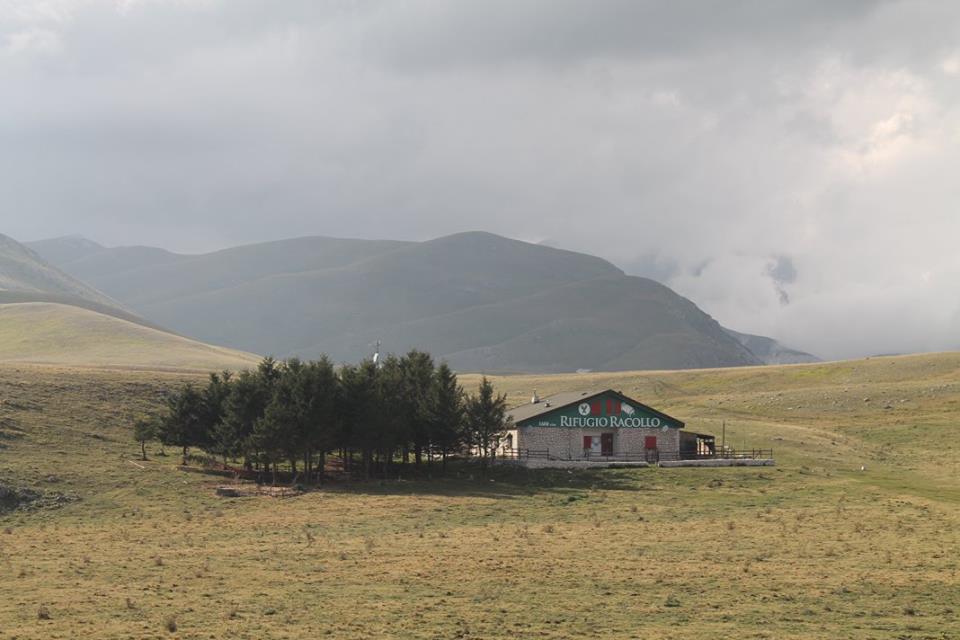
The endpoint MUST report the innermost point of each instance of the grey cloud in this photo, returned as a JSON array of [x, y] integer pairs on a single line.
[[782, 272], [686, 141], [442, 34]]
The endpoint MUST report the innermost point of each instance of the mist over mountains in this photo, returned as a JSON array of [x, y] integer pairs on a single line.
[[480, 301]]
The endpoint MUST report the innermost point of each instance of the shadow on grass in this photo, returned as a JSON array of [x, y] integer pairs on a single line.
[[466, 480], [496, 482]]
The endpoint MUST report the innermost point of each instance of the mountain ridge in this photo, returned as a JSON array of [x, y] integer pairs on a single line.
[[772, 351], [479, 300]]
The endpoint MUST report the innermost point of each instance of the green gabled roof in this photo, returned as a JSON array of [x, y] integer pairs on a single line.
[[558, 401]]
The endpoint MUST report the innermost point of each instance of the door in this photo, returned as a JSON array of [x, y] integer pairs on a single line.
[[606, 444], [650, 445]]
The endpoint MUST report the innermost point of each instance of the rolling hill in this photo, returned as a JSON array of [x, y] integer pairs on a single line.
[[481, 301], [50, 333], [22, 270], [47, 316]]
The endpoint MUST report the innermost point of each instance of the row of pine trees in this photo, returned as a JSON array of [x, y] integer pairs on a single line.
[[295, 414]]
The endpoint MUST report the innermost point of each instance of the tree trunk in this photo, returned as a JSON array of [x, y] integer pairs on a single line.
[[185, 456], [143, 449]]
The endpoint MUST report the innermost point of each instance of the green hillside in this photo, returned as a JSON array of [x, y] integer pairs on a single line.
[[852, 534], [39, 332], [607, 323], [479, 300]]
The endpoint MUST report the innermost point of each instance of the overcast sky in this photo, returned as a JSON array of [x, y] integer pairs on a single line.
[[790, 167]]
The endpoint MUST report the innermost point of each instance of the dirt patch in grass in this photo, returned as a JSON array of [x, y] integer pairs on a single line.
[[14, 498], [249, 490]]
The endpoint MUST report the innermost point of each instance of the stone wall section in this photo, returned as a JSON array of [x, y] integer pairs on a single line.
[[567, 443]]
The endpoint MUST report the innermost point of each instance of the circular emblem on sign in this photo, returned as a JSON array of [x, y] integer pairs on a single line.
[[584, 409]]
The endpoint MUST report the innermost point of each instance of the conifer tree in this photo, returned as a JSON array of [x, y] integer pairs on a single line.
[[242, 407], [214, 401], [487, 419], [318, 392], [415, 401], [183, 425], [358, 409], [447, 412], [144, 430], [275, 434]]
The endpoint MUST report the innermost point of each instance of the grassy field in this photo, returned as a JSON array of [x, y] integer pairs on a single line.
[[41, 332], [813, 548]]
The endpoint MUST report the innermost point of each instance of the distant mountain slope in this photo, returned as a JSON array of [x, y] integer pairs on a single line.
[[606, 323], [141, 276], [58, 251], [771, 351], [61, 334], [22, 270], [482, 301]]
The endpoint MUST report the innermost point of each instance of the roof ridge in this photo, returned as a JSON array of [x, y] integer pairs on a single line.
[[545, 399]]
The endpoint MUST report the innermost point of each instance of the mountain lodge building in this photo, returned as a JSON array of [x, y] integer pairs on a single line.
[[600, 426]]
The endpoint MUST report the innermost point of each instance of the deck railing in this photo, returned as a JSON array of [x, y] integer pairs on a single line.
[[726, 454], [523, 454], [652, 455]]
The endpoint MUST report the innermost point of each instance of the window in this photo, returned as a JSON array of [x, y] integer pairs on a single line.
[[601, 445]]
